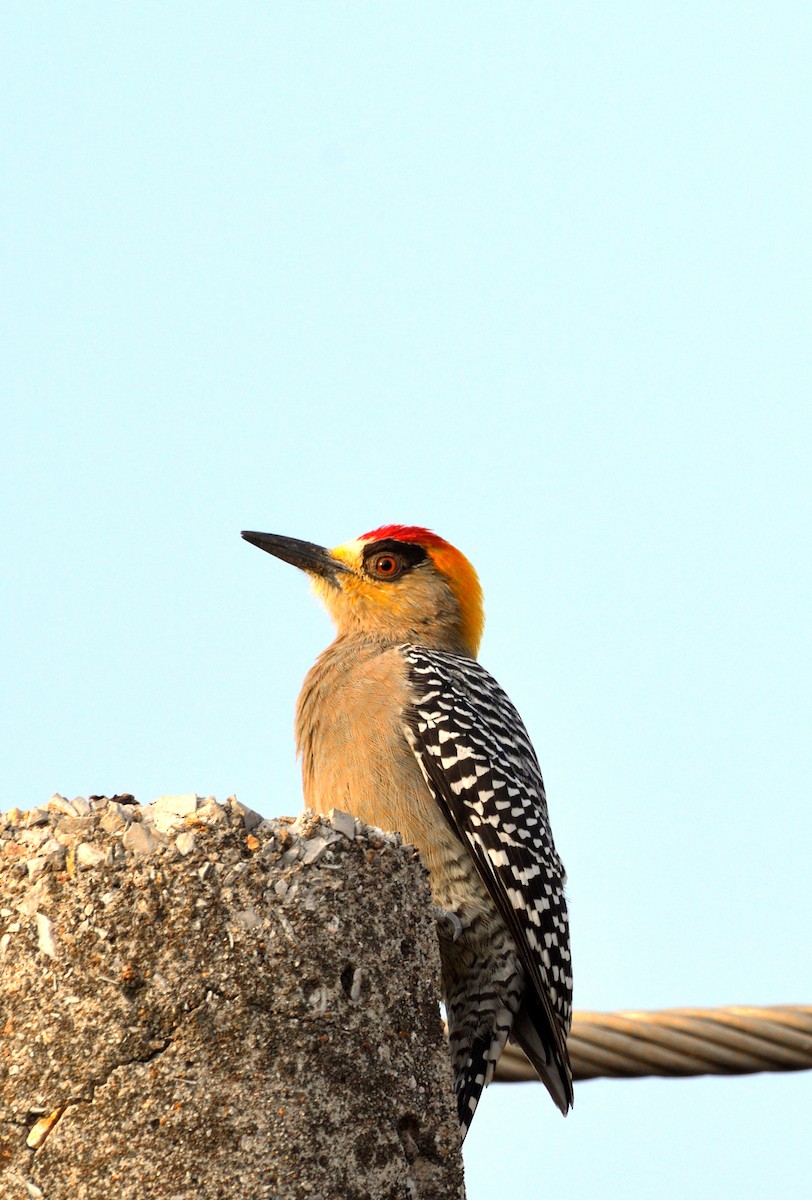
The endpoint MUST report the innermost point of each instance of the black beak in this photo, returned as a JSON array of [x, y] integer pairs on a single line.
[[305, 555]]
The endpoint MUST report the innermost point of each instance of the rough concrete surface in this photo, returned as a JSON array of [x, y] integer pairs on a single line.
[[197, 1003]]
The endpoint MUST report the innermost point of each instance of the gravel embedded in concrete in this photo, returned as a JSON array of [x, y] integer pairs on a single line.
[[198, 1002]]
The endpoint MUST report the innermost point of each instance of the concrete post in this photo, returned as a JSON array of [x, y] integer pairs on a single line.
[[196, 1004]]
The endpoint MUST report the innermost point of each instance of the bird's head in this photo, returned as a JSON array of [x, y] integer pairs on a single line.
[[399, 583]]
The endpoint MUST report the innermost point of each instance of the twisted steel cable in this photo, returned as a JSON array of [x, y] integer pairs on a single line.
[[736, 1040]]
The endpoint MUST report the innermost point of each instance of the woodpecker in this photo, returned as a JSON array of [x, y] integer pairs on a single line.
[[399, 724]]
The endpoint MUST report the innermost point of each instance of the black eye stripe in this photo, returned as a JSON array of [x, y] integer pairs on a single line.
[[409, 552]]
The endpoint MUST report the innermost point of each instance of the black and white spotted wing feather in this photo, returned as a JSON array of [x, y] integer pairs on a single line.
[[480, 765]]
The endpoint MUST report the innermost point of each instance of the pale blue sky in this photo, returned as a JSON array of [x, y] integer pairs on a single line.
[[535, 275]]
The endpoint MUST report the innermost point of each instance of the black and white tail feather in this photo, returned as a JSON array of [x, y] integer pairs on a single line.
[[478, 761]]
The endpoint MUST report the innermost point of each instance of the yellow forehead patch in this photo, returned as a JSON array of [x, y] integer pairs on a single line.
[[351, 553]]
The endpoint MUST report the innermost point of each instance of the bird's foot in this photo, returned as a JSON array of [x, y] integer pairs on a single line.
[[449, 926]]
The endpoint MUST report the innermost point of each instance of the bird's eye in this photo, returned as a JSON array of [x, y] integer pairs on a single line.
[[387, 566]]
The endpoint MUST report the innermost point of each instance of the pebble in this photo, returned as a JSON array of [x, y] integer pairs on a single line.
[[31, 903], [70, 826], [248, 918], [40, 1130], [250, 819], [36, 866], [168, 812], [115, 818], [45, 934], [178, 806], [36, 816], [211, 811], [139, 839], [58, 804], [88, 856], [355, 987], [342, 823], [56, 858], [316, 847], [186, 842], [33, 837]]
